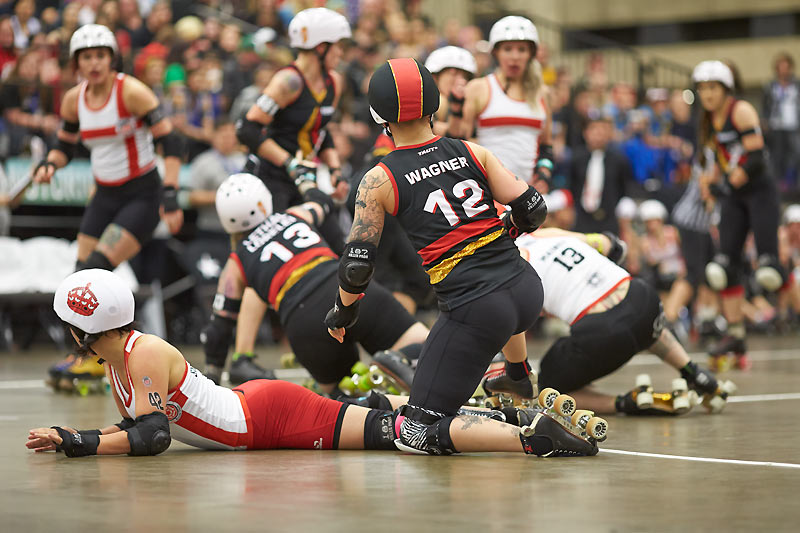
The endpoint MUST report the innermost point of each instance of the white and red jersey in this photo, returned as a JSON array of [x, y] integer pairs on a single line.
[[510, 129], [574, 275], [121, 145], [200, 413]]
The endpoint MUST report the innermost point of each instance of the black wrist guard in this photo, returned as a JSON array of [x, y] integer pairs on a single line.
[[44, 163], [169, 198], [342, 316], [458, 102], [313, 194], [619, 249], [77, 444]]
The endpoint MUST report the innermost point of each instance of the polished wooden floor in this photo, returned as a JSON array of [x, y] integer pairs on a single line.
[[733, 472]]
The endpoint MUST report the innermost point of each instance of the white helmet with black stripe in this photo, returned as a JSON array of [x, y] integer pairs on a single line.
[[92, 36], [243, 202]]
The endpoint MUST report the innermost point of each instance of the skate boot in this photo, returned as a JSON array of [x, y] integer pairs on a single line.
[[546, 437], [392, 369], [56, 372], [713, 394], [501, 390], [214, 373], [642, 401], [244, 368], [563, 409], [85, 376], [720, 355]]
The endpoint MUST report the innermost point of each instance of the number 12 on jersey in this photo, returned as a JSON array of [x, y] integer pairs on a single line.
[[472, 206]]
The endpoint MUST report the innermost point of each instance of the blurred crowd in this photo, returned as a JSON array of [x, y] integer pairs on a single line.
[[209, 60]]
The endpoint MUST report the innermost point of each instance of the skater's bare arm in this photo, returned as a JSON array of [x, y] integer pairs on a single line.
[[250, 316], [670, 350]]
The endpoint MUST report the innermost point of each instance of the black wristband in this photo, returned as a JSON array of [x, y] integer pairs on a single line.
[[169, 198], [44, 163]]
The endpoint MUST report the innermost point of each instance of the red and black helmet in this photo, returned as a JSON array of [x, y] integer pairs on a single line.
[[401, 90]]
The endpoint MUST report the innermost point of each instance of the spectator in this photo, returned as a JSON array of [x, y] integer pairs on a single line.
[[69, 23], [157, 21], [782, 115], [24, 23], [130, 19], [599, 178], [623, 101], [248, 96], [108, 14], [8, 54]]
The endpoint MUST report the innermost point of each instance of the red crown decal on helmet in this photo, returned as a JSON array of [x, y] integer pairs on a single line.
[[82, 300]]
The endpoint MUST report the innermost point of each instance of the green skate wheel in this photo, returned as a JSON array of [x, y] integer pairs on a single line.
[[347, 384], [83, 389], [393, 390], [288, 360], [360, 368]]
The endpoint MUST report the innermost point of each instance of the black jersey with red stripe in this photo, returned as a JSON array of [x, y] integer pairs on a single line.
[[298, 125], [444, 203], [727, 145], [277, 259]]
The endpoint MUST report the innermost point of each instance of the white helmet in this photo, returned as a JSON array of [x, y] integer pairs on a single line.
[[451, 57], [317, 25], [92, 36], [626, 208], [513, 28], [713, 71], [792, 214], [557, 200], [94, 300], [652, 209], [243, 202]]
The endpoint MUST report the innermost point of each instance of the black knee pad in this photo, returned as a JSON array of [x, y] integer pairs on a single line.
[[722, 272], [379, 431], [770, 274], [553, 371], [97, 260], [425, 431]]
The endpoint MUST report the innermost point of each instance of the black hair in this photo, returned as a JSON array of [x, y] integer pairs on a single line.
[[87, 339]]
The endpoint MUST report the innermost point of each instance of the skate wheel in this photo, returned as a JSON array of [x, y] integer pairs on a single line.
[[581, 417], [597, 428], [359, 368], [715, 405], [679, 385], [644, 399], [346, 384], [643, 380], [492, 402], [393, 390], [548, 397], [681, 403], [727, 387], [288, 360], [743, 362], [565, 405], [376, 377], [82, 389]]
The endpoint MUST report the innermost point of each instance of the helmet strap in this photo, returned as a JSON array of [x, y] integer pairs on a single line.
[[386, 130]]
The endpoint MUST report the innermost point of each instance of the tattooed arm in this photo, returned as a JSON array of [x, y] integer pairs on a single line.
[[375, 196]]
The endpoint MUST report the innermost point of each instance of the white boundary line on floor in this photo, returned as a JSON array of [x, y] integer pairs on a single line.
[[765, 397], [647, 359], [22, 384], [701, 459]]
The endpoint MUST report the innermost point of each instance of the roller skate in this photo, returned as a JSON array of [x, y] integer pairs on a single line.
[[244, 368], [546, 437], [56, 372], [288, 360], [563, 409], [391, 369], [713, 394], [501, 390], [643, 401], [729, 352], [359, 382], [85, 376]]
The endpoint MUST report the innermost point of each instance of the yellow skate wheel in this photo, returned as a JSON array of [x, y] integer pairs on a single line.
[[564, 405], [82, 388], [548, 397], [288, 360], [581, 417], [597, 428]]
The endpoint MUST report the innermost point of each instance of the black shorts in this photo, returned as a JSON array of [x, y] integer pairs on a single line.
[[381, 322], [133, 205], [600, 343]]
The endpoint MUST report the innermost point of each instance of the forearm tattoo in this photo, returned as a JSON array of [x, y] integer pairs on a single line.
[[368, 220]]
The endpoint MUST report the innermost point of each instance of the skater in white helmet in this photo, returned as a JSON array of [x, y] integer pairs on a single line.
[[509, 109], [452, 68]]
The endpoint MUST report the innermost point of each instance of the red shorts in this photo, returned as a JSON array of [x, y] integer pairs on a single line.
[[285, 415]]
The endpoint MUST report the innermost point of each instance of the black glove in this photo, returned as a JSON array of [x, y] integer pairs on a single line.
[[342, 316], [619, 249], [718, 190], [169, 198], [508, 224], [78, 444]]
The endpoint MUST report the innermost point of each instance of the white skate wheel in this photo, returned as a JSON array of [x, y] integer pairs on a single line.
[[643, 380], [376, 378], [644, 400], [728, 387], [716, 405], [681, 403], [679, 385]]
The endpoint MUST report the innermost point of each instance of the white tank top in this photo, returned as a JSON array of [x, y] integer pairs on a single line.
[[574, 275], [200, 413], [120, 145], [510, 129]]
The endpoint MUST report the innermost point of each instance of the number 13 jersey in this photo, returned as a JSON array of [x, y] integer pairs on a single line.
[[443, 201], [574, 275]]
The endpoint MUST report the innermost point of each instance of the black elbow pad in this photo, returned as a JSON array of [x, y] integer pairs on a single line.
[[528, 211], [150, 434], [357, 266], [172, 143], [250, 134], [67, 148], [755, 165]]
